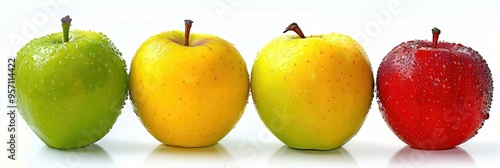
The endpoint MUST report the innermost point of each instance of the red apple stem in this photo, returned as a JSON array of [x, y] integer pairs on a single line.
[[435, 36], [66, 23], [187, 24], [295, 27]]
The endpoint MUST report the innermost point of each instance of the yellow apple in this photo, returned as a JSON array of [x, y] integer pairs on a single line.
[[312, 92], [187, 89]]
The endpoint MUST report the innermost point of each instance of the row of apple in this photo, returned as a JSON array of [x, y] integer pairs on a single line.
[[189, 90]]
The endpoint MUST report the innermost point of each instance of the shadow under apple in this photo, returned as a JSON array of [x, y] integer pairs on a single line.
[[170, 156], [89, 156], [411, 157], [288, 157]]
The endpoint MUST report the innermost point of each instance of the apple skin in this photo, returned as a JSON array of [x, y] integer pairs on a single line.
[[434, 97], [312, 93], [188, 96], [70, 93]]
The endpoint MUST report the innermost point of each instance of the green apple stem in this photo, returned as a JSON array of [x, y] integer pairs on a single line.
[[187, 24], [66, 23], [435, 36], [295, 27]]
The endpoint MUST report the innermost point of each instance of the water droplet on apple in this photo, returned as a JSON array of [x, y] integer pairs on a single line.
[[41, 80], [61, 62], [92, 55], [109, 70], [486, 116], [53, 82], [55, 98], [105, 64], [99, 69]]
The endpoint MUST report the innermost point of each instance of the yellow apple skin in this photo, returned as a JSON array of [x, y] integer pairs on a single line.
[[312, 93], [188, 96]]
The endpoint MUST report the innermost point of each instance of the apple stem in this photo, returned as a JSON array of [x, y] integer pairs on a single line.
[[295, 27], [435, 36], [187, 26], [66, 23]]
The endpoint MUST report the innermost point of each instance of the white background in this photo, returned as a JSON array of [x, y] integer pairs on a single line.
[[249, 25]]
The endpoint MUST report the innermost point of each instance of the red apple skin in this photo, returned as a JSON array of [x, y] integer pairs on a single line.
[[434, 97]]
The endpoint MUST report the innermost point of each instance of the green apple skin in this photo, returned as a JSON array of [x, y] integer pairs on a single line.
[[314, 92], [70, 93]]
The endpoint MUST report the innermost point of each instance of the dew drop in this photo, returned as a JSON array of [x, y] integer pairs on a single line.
[[41, 80], [486, 116], [99, 69], [109, 70], [53, 82], [105, 64], [61, 62]]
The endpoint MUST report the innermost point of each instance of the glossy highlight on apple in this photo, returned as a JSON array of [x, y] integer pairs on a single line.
[[313, 92]]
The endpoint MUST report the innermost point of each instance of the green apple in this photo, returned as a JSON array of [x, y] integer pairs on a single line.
[[70, 86], [187, 89], [312, 92]]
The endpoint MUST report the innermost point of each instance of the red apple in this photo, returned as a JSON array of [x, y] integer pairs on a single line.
[[434, 95]]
